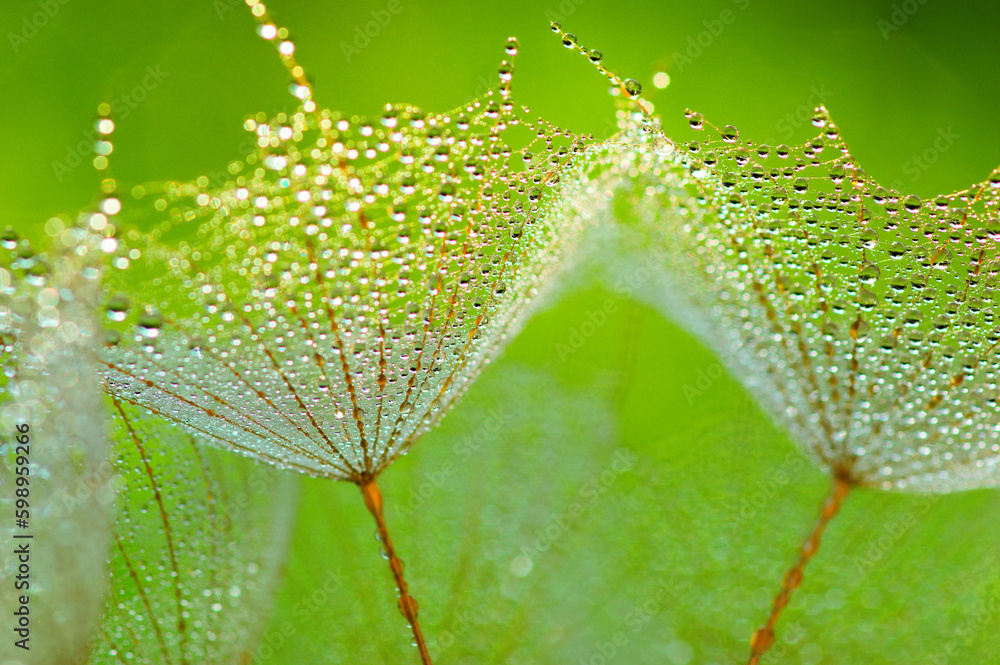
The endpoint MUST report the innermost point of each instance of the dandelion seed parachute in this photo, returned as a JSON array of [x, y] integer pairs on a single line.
[[862, 319], [197, 539], [322, 309], [198, 544]]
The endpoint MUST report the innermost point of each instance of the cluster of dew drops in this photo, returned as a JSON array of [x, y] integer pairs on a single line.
[[863, 319], [365, 270], [869, 314]]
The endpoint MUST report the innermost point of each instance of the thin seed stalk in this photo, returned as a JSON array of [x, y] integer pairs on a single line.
[[407, 604], [763, 637]]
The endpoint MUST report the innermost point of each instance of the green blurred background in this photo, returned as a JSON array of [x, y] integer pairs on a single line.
[[681, 552]]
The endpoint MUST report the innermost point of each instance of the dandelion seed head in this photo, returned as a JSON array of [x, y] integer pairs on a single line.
[[862, 319]]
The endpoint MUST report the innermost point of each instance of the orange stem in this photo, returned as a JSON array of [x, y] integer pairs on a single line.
[[763, 637], [407, 604]]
